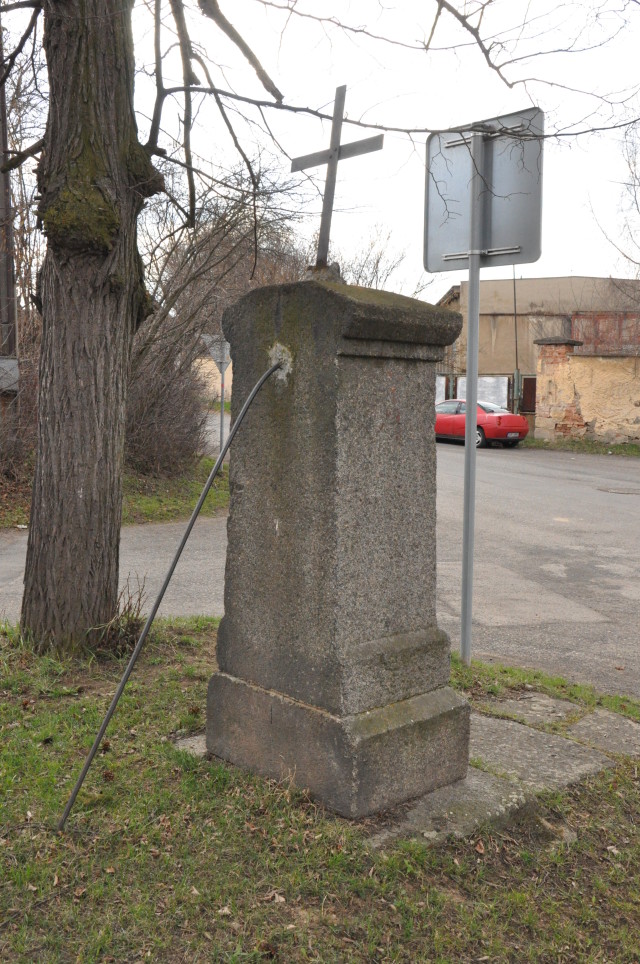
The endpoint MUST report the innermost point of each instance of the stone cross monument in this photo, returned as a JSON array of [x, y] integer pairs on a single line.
[[331, 667]]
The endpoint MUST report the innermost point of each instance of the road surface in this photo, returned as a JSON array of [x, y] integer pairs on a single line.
[[557, 562]]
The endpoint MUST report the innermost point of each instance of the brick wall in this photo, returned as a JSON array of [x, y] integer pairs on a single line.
[[592, 396]]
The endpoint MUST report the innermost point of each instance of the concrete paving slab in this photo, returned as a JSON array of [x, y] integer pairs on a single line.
[[457, 810], [538, 760], [524, 761], [196, 744], [608, 732], [533, 708]]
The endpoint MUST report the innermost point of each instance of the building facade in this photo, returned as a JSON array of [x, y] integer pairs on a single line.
[[575, 342]]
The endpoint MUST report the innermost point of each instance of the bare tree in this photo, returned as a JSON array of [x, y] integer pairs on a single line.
[[193, 275], [94, 176]]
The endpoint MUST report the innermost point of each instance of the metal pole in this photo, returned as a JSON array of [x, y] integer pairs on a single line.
[[516, 374], [471, 419], [156, 605], [221, 410]]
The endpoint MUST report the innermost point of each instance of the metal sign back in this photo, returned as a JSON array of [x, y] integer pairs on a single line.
[[511, 200], [220, 351]]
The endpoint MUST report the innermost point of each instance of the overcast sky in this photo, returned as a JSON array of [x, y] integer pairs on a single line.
[[401, 86]]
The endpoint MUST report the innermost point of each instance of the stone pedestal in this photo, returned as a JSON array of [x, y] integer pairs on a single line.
[[331, 665]]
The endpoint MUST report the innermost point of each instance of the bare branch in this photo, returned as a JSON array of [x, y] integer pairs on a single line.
[[211, 9], [252, 175], [154, 130], [433, 27], [291, 8], [409, 131], [464, 22], [21, 5], [186, 53], [19, 157], [13, 56]]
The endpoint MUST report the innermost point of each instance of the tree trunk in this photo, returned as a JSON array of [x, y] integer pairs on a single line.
[[93, 177]]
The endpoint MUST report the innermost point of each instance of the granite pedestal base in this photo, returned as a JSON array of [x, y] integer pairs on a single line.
[[356, 765]]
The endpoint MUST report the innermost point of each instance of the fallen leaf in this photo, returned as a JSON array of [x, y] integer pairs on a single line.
[[274, 896], [31, 888], [613, 850], [56, 880], [479, 847], [79, 892], [225, 911], [29, 816], [110, 870], [195, 891]]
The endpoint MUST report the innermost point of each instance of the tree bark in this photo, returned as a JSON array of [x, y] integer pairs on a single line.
[[93, 177]]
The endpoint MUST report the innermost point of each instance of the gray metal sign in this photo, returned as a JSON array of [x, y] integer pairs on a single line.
[[510, 200], [220, 351], [9, 375]]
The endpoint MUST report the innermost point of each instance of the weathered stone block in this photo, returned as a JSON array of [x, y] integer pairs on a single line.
[[330, 577], [357, 764]]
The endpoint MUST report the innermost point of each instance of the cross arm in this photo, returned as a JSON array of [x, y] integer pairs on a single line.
[[364, 146]]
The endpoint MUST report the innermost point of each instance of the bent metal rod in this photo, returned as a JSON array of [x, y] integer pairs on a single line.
[[156, 605]]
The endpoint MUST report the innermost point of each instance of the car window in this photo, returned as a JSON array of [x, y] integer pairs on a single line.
[[462, 408], [448, 407], [493, 409]]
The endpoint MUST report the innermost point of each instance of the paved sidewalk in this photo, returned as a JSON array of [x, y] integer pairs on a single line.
[[513, 757]]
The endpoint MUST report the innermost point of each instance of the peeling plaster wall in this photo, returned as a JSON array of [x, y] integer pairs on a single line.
[[587, 396], [208, 370]]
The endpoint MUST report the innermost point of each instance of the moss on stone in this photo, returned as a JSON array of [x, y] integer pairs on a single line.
[[374, 296]]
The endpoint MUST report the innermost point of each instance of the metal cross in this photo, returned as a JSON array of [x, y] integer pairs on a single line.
[[336, 152]]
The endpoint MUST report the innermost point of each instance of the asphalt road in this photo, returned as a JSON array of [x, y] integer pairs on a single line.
[[556, 562], [556, 573]]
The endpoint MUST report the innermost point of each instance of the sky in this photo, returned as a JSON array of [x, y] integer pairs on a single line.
[[396, 84], [388, 84]]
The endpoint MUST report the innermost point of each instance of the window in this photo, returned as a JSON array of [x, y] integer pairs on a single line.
[[449, 407]]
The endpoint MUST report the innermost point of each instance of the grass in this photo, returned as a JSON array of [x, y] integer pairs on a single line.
[[482, 680], [584, 446], [145, 498], [169, 858], [15, 500], [162, 500]]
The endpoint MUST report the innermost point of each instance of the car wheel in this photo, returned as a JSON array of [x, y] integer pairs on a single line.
[[481, 440]]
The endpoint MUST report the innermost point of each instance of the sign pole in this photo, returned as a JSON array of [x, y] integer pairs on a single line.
[[471, 418], [221, 410]]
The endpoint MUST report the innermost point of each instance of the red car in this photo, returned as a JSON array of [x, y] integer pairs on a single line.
[[495, 424]]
